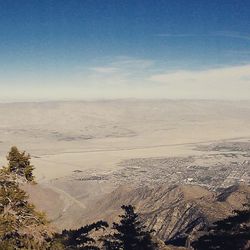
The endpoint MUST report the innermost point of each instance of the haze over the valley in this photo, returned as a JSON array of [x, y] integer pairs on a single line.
[[67, 136]]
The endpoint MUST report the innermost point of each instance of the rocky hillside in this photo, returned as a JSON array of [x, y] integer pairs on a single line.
[[173, 212]]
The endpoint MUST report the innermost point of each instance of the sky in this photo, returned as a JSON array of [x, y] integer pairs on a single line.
[[95, 49]]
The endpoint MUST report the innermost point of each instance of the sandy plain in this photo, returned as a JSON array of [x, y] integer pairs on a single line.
[[67, 136]]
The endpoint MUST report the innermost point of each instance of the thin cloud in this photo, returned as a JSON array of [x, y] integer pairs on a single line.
[[227, 34], [134, 77], [220, 83], [176, 35], [121, 64], [239, 52], [120, 70], [212, 75], [104, 70], [232, 34], [131, 63]]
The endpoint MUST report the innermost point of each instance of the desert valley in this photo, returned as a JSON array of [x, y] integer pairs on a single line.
[[178, 162]]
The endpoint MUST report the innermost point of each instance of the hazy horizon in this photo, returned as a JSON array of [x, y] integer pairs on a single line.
[[126, 99]]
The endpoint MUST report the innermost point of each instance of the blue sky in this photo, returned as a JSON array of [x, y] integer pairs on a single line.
[[84, 49]]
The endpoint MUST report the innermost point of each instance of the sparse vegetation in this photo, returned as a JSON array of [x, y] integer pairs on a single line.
[[228, 234], [21, 226], [81, 238], [129, 233], [19, 164]]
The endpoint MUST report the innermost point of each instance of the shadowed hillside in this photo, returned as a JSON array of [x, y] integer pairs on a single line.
[[173, 212]]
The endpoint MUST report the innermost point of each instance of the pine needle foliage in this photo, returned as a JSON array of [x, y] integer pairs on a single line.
[[129, 234], [228, 234], [21, 226], [19, 163], [81, 238]]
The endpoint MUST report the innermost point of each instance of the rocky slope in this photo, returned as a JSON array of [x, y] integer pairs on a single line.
[[175, 213], [172, 212]]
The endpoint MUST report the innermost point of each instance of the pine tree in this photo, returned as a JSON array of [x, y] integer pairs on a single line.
[[19, 163], [80, 238], [228, 234], [21, 226], [129, 233]]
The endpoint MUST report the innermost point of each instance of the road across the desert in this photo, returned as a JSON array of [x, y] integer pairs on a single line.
[[50, 166], [143, 147]]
